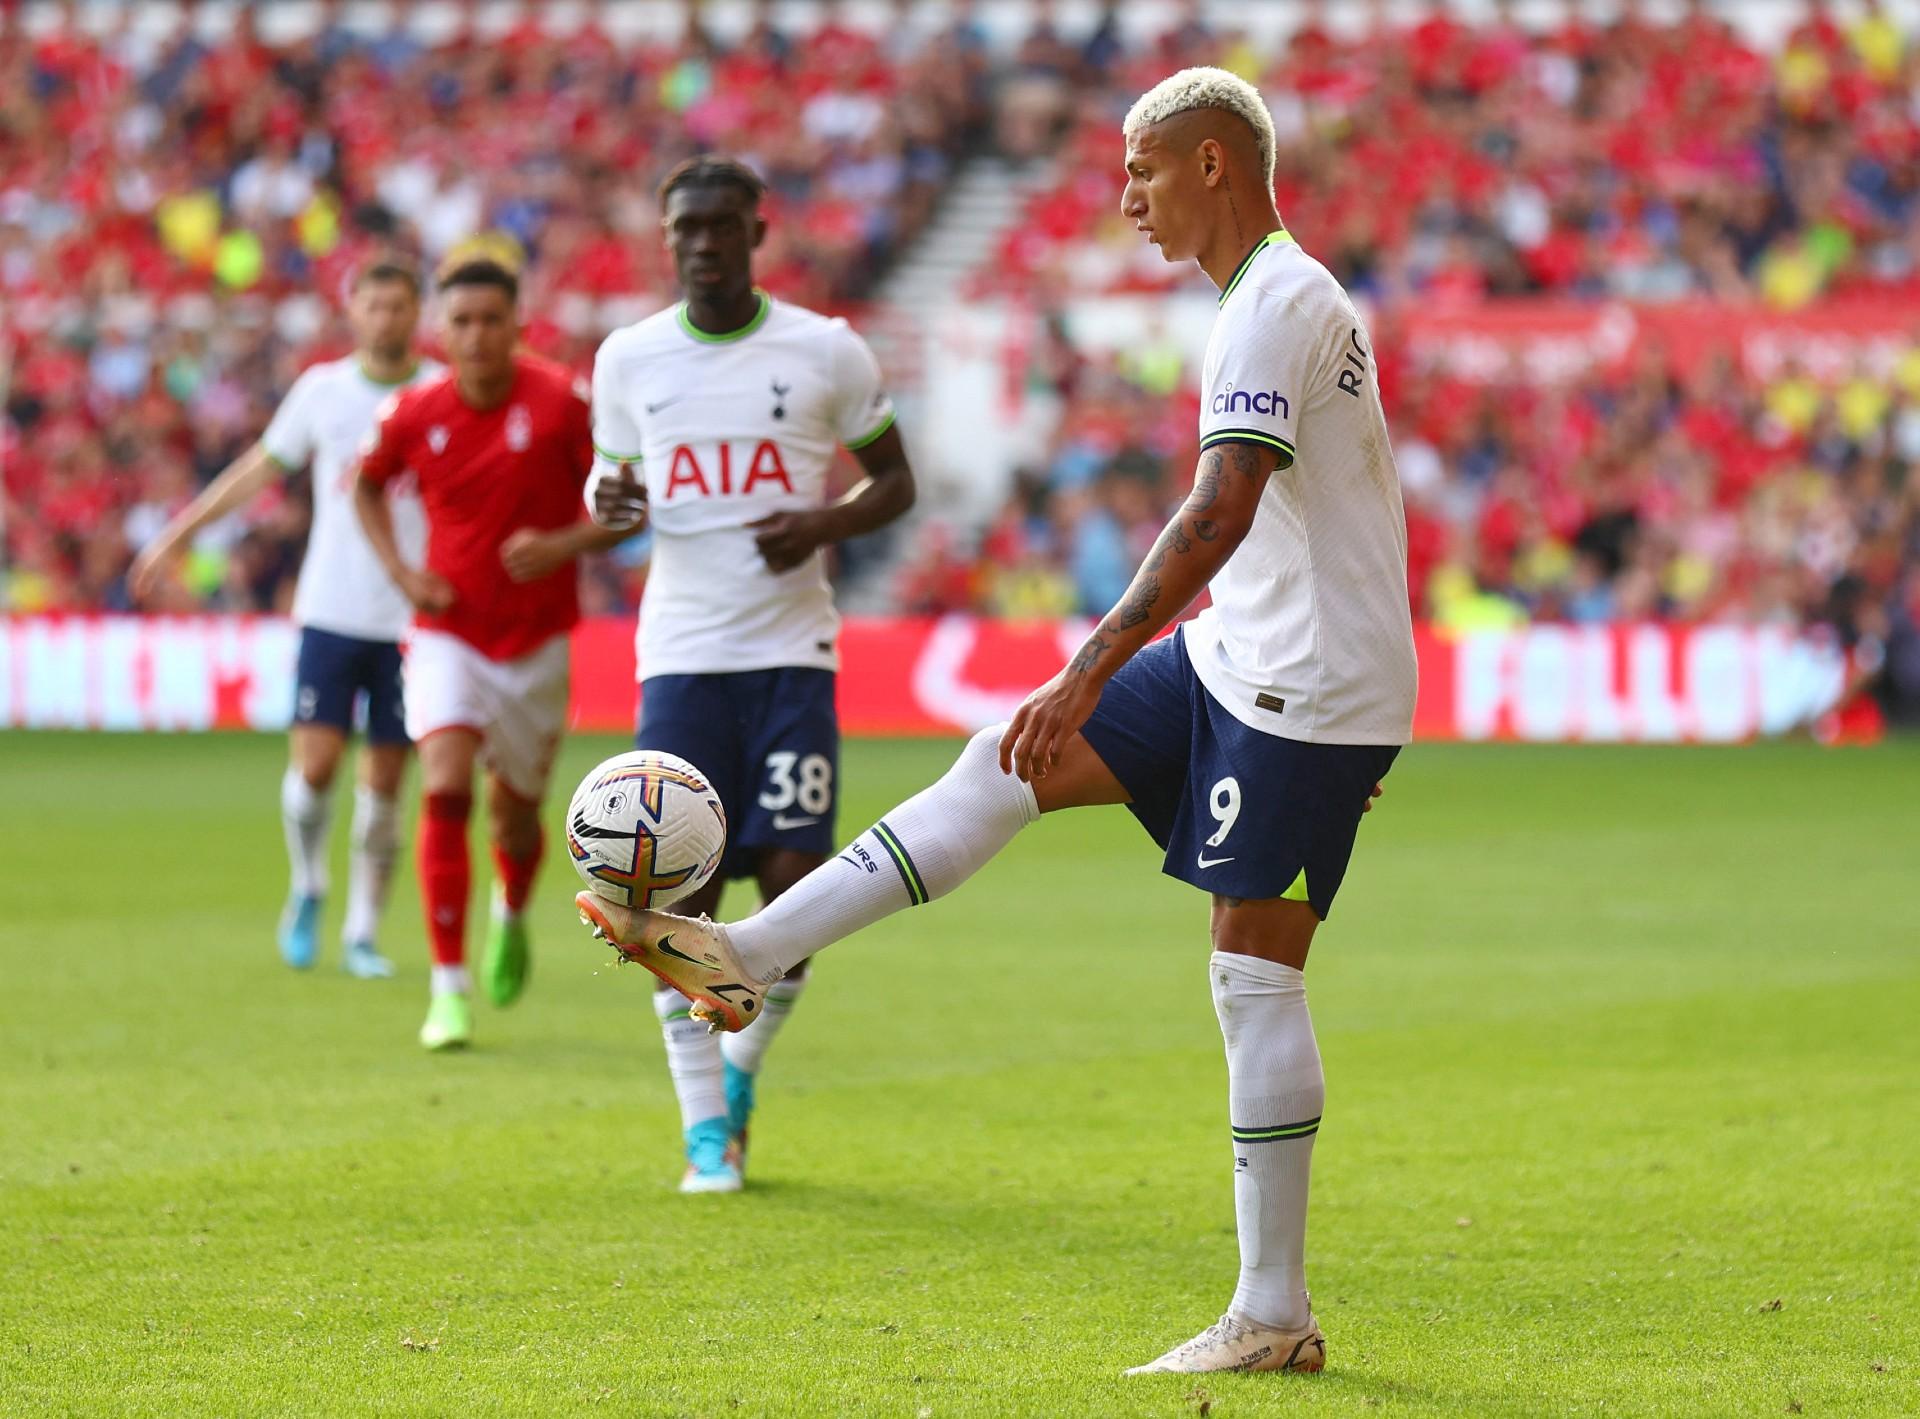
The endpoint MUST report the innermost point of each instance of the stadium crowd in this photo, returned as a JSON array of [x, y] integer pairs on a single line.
[[176, 219], [1643, 492], [1445, 161], [175, 216]]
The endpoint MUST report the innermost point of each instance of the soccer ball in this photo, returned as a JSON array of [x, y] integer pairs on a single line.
[[646, 829]]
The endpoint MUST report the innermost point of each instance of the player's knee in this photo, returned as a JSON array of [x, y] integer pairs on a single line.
[[316, 766], [1272, 930], [982, 751], [513, 820], [383, 768]]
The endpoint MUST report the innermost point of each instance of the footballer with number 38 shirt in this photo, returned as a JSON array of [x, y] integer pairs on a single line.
[[719, 421]]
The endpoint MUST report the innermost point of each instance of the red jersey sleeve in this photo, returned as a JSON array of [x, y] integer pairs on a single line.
[[383, 456]]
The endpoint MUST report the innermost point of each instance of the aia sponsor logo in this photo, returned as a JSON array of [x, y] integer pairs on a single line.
[[721, 474], [519, 428], [1245, 401]]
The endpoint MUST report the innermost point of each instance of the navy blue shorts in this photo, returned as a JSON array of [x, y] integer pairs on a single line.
[[335, 670], [769, 743], [1240, 813]]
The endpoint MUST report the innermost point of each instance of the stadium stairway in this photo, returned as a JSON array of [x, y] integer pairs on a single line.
[[986, 198]]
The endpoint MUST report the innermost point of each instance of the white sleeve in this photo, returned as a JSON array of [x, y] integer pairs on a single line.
[[289, 436], [1259, 374], [616, 432], [862, 409]]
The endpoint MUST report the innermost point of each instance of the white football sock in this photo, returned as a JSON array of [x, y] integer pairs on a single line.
[[1275, 1093], [744, 1049], [376, 844], [693, 1059], [304, 813], [451, 980], [921, 850]]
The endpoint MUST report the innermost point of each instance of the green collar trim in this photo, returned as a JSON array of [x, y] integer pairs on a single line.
[[759, 319], [368, 375], [1273, 238]]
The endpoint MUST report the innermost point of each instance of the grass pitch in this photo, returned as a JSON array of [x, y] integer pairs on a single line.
[[1622, 1051]]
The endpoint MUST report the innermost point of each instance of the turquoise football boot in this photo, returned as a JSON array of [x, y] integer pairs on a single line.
[[364, 962], [299, 933], [713, 1164], [739, 1109]]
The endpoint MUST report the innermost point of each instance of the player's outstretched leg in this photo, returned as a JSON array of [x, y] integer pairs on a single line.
[[1276, 1092], [376, 846], [306, 812], [921, 850], [693, 1059], [690, 954]]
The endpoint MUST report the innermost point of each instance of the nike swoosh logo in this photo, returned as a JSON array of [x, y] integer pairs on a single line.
[[656, 408], [1206, 861], [665, 944], [783, 822]]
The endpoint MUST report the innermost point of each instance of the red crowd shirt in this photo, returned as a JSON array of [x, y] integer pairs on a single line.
[[485, 474]]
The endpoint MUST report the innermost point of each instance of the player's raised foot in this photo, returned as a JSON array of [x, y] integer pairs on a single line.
[[299, 934], [503, 965], [364, 961], [713, 1164], [1234, 1344], [739, 1109], [449, 1022], [694, 957]]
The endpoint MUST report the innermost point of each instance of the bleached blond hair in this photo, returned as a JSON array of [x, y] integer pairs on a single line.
[[1206, 88]]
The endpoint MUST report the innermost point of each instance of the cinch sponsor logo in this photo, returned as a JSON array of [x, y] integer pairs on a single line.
[[1244, 401]]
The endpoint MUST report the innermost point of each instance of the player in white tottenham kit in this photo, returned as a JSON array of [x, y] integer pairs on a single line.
[[351, 615], [719, 421], [1247, 744]]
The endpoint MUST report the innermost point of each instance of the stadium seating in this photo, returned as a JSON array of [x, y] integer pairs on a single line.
[[176, 213]]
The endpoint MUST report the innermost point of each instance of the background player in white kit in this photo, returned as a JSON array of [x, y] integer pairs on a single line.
[[351, 615], [1247, 744], [721, 419]]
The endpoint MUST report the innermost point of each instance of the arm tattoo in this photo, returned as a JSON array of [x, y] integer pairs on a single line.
[[1174, 539], [1206, 484], [1246, 462], [1205, 528], [1088, 654], [1140, 601]]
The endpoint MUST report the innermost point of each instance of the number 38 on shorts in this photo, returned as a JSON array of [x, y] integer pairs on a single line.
[[798, 782], [768, 740]]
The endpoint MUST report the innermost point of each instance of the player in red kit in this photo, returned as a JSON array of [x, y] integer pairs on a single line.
[[500, 446]]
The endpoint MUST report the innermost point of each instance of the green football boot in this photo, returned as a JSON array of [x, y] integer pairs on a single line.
[[503, 964], [449, 1023]]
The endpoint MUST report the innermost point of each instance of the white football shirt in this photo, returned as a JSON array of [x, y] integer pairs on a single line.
[[323, 421], [726, 430], [1309, 635]]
